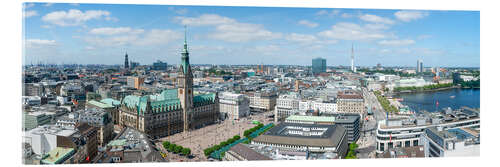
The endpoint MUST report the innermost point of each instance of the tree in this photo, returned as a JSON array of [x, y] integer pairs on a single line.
[[171, 147], [236, 137], [166, 144], [186, 151], [178, 149], [217, 147]]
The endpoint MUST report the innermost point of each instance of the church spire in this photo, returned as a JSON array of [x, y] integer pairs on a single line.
[[185, 53]]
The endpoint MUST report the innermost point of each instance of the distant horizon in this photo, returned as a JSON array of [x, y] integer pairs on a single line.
[[346, 66], [102, 33]]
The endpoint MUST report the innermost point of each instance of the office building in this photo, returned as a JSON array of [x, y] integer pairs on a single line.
[[262, 101], [456, 142], [406, 132], [350, 101], [160, 66], [234, 106], [133, 65], [318, 66], [420, 66], [135, 82], [100, 119], [286, 105], [308, 138], [351, 122]]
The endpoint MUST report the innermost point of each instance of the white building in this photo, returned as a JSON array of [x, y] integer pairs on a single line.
[[450, 143], [467, 78], [44, 138], [286, 105], [406, 132], [234, 105], [320, 106]]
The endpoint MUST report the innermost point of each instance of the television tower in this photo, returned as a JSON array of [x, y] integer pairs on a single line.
[[353, 69]]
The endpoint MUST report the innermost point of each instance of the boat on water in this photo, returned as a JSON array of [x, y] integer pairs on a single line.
[[452, 97], [399, 99]]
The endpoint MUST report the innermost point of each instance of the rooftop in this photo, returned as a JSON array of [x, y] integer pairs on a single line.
[[247, 153], [100, 105], [303, 134], [58, 155], [310, 118]]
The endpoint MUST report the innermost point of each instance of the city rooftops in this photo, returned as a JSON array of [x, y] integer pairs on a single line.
[[316, 135], [58, 155], [349, 94], [310, 118], [247, 153], [100, 105]]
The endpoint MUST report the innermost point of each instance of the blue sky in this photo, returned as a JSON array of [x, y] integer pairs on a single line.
[[101, 34]]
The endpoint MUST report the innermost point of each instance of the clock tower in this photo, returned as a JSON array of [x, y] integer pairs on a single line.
[[185, 86]]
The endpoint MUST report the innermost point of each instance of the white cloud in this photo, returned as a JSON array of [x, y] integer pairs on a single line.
[[376, 19], [74, 4], [407, 16], [346, 15], [178, 11], [157, 36], [397, 42], [334, 12], [308, 23], [127, 36], [74, 17], [46, 26], [228, 29], [352, 31], [205, 20], [34, 43], [48, 4], [305, 38], [28, 5], [114, 31], [30, 13]]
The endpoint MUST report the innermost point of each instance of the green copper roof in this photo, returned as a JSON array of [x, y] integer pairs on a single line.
[[310, 118], [111, 101], [203, 98], [58, 155], [100, 105], [165, 101], [118, 142], [185, 54]]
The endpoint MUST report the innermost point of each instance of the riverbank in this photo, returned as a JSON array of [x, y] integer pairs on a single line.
[[424, 90], [433, 90]]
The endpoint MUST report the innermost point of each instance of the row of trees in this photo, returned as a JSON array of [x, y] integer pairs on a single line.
[[176, 148], [427, 87], [250, 131], [470, 84], [385, 103], [209, 150], [351, 154]]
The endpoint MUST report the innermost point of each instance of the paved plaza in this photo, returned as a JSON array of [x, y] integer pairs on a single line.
[[200, 139]]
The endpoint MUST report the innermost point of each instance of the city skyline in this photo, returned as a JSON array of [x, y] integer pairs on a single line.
[[102, 34]]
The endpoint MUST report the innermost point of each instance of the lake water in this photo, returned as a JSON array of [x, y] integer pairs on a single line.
[[454, 98]]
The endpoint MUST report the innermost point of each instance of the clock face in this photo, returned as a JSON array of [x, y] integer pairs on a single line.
[[189, 91]]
